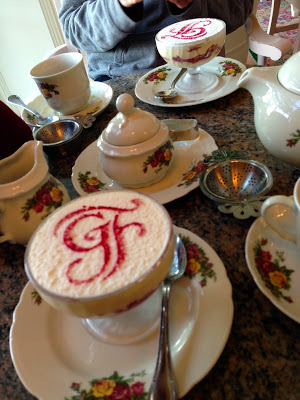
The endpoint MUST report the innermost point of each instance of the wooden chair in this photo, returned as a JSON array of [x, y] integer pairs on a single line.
[[273, 27], [263, 44]]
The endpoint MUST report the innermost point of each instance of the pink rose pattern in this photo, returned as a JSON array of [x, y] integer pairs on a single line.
[[275, 276], [47, 198], [192, 174], [48, 90], [197, 262], [230, 68], [90, 184], [115, 387], [160, 158], [157, 76]]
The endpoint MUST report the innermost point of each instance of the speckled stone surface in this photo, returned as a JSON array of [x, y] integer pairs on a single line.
[[261, 360]]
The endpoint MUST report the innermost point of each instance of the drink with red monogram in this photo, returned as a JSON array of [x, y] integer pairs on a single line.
[[102, 253], [190, 44]]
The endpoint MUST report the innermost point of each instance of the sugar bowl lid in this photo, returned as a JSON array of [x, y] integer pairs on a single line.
[[288, 74], [131, 125]]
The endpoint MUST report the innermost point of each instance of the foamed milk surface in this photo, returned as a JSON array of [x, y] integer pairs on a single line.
[[53, 263], [190, 30]]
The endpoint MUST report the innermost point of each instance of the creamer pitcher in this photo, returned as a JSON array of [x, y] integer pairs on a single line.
[[28, 193]]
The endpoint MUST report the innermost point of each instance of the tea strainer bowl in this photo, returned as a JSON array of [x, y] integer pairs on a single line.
[[236, 181], [58, 135]]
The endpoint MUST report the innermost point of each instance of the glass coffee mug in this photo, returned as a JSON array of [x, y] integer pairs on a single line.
[[282, 214]]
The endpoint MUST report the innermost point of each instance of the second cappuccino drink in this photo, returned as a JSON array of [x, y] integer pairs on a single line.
[[101, 253]]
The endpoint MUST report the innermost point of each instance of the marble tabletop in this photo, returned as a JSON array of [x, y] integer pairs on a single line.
[[261, 359]]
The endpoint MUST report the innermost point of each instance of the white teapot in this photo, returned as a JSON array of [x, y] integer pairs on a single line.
[[28, 193], [276, 95], [135, 148]]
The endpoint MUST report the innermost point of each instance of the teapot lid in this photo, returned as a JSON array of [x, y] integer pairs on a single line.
[[288, 74], [131, 125]]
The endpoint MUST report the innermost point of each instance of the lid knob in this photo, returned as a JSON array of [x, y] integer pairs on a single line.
[[125, 103], [131, 125]]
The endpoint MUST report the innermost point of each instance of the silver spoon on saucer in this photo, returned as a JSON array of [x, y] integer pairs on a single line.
[[85, 120], [14, 99], [171, 93], [163, 385]]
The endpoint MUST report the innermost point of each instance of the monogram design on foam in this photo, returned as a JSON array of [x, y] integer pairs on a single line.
[[189, 31], [106, 237]]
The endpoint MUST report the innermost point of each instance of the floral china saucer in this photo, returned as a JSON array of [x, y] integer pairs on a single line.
[[274, 265], [101, 95], [79, 366], [227, 69], [181, 178]]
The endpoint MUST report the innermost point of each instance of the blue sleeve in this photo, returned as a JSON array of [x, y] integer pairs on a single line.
[[95, 25]]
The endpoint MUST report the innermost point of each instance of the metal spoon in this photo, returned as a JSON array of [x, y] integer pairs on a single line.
[[163, 385], [171, 92], [85, 120], [41, 120]]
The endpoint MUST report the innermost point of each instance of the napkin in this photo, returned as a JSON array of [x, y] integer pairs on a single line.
[[14, 131]]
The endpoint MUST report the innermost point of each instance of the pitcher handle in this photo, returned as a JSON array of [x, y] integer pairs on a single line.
[[6, 236]]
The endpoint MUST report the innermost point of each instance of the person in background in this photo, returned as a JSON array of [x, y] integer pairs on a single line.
[[118, 36]]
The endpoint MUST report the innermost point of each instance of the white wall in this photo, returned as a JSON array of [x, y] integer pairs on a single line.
[[26, 35]]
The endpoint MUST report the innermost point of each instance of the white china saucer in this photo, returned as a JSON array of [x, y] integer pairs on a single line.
[[101, 95], [56, 358], [181, 178], [161, 78], [274, 265]]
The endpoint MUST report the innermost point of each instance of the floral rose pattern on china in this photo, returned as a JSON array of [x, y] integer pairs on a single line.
[[159, 158], [31, 118], [48, 90], [157, 76], [197, 262], [89, 184], [294, 138], [45, 200], [114, 387], [106, 236], [192, 174], [275, 275], [36, 297], [230, 68]]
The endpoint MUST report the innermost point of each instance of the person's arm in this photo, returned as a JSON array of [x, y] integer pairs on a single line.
[[97, 26]]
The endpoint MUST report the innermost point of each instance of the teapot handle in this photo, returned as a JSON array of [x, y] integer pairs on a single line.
[[274, 222]]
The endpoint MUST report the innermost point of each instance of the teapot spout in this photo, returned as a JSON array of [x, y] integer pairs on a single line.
[[253, 79]]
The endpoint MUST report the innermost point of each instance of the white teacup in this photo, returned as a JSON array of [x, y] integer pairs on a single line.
[[282, 214], [63, 82]]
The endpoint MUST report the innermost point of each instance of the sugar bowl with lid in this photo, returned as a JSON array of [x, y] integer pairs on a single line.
[[135, 147]]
